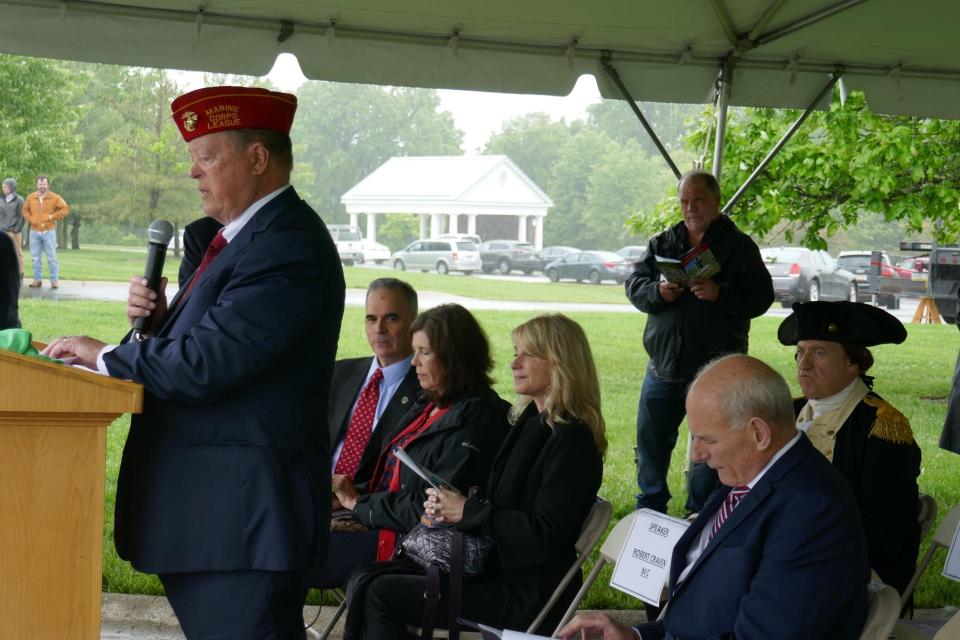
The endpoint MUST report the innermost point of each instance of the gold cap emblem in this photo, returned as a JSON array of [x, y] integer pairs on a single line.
[[832, 327], [189, 120]]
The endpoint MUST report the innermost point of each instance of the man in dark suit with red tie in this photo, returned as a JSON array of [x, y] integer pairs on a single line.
[[778, 550], [225, 480], [368, 398]]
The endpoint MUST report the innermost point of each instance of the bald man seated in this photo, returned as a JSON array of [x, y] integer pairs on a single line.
[[778, 551]]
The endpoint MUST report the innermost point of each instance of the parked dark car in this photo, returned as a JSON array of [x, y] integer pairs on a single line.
[[804, 275], [507, 255], [592, 266], [549, 254], [632, 252], [858, 263]]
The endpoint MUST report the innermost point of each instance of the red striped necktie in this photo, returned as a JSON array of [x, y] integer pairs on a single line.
[[216, 245], [729, 504]]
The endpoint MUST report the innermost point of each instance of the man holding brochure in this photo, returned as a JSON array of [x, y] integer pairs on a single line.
[[778, 550], [690, 321]]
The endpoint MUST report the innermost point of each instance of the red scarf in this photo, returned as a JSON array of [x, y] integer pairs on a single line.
[[388, 469]]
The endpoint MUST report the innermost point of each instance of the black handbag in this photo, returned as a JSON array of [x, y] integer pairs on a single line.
[[433, 545]]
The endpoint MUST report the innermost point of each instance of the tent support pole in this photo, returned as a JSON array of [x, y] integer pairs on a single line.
[[781, 143], [723, 94], [636, 111], [806, 21]]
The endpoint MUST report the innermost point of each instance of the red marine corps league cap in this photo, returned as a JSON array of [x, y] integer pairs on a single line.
[[216, 109]]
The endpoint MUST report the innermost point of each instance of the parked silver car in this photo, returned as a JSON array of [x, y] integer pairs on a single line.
[[801, 275], [438, 254]]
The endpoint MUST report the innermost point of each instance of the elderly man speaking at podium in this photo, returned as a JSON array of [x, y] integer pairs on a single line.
[[224, 485]]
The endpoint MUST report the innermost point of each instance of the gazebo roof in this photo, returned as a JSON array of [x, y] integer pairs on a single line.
[[491, 185]]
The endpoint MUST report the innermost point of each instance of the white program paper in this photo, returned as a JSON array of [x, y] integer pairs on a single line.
[[951, 568], [643, 567]]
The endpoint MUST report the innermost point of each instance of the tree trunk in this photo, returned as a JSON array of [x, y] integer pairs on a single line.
[[75, 233]]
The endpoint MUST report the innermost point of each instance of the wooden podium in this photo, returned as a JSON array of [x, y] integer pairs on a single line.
[[53, 426]]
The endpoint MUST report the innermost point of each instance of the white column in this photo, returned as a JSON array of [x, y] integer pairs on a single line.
[[453, 224], [372, 227], [522, 228], [423, 226], [355, 220], [538, 232], [472, 224], [436, 224]]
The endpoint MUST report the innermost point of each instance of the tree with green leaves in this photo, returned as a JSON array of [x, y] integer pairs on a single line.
[[843, 163], [38, 124]]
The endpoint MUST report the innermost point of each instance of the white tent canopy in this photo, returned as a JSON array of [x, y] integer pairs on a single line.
[[904, 55], [442, 188]]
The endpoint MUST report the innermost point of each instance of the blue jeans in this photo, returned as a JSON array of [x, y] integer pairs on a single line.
[[659, 413], [45, 242]]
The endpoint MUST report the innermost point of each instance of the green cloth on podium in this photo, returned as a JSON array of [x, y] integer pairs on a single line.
[[21, 341]]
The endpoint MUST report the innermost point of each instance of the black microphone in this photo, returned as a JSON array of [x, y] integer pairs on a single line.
[[159, 234]]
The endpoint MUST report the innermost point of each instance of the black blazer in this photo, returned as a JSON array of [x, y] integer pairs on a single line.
[[9, 283], [348, 378]]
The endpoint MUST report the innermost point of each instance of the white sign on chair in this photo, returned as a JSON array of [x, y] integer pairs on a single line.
[[643, 568]]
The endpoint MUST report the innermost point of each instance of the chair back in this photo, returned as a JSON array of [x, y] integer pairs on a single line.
[[882, 612], [942, 537], [593, 527], [609, 552]]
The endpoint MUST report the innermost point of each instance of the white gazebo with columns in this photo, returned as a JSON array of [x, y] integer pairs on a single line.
[[440, 189]]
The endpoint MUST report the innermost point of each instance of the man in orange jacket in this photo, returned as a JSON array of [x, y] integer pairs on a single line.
[[42, 209]]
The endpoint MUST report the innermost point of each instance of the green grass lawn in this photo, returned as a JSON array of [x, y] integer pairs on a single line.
[[914, 376]]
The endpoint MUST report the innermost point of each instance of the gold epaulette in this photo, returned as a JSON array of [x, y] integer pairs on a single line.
[[890, 424]]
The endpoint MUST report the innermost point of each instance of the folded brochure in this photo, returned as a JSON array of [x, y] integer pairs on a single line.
[[699, 262], [428, 476]]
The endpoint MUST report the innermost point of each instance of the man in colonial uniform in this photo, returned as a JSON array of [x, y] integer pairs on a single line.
[[868, 440]]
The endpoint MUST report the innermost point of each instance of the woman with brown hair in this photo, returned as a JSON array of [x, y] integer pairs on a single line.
[[454, 429]]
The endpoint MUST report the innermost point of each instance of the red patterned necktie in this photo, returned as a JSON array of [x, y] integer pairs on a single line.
[[361, 426], [729, 504], [213, 250]]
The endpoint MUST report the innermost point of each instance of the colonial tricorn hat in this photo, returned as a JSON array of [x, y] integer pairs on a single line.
[[214, 109], [847, 322]]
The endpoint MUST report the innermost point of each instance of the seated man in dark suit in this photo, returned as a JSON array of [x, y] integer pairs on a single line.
[[365, 413], [778, 551]]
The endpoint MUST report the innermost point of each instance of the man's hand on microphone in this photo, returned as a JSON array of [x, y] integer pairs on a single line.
[[144, 302]]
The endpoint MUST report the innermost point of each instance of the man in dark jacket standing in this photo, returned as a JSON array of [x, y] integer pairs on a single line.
[[687, 326]]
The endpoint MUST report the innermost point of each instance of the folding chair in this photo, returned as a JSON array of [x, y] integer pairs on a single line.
[[609, 552], [593, 528], [882, 613], [942, 538], [313, 634]]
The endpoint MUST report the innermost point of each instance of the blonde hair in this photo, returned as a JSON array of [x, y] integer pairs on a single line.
[[574, 392]]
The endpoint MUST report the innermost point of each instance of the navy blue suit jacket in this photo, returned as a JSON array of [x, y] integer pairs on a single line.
[[228, 467], [789, 562]]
